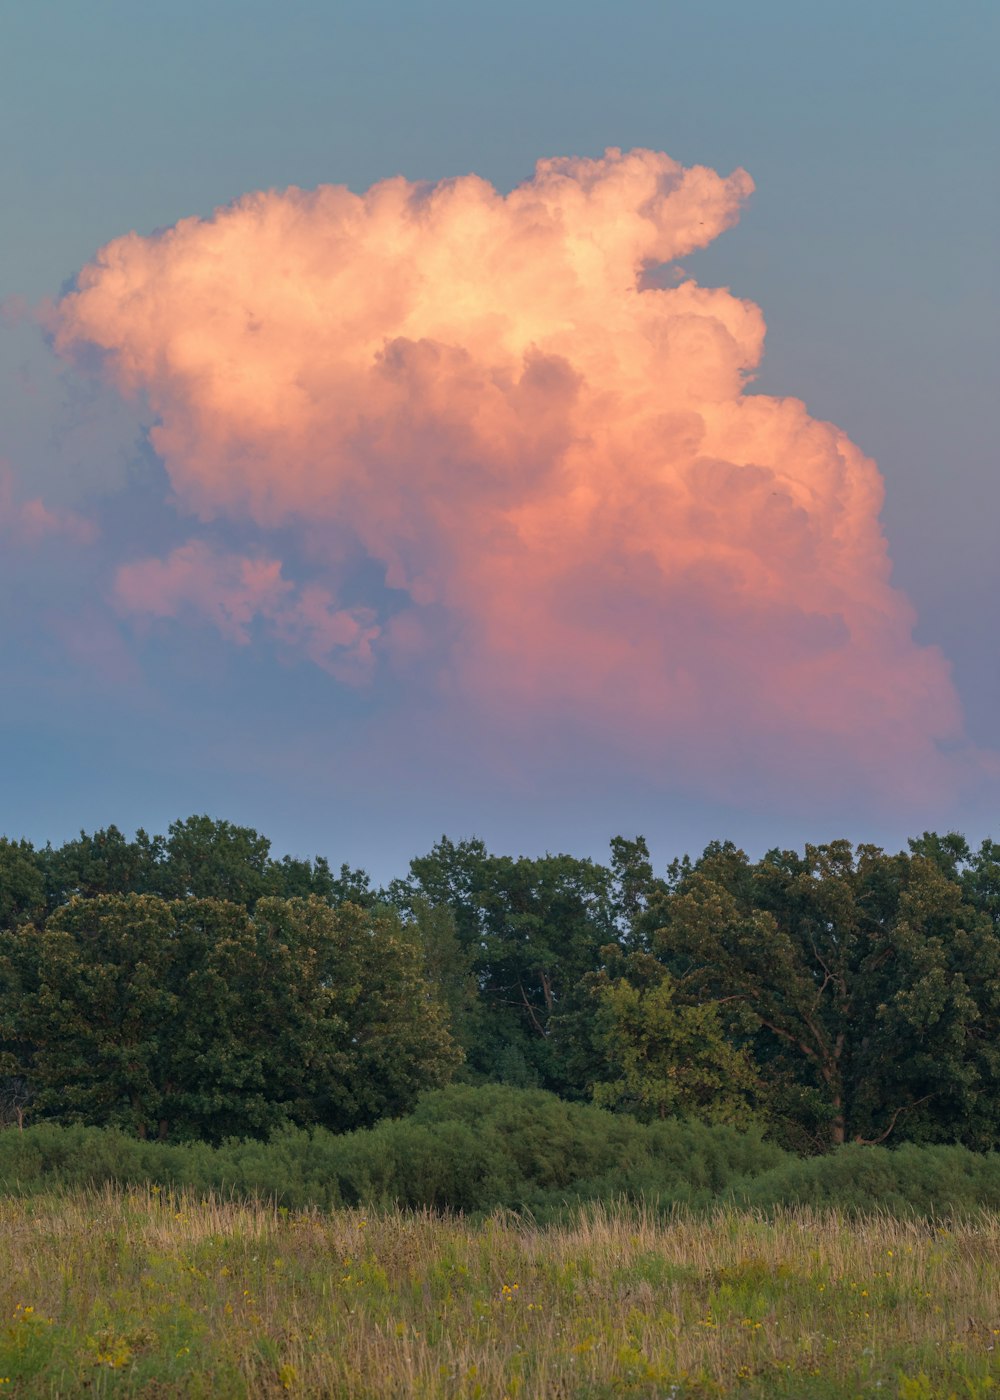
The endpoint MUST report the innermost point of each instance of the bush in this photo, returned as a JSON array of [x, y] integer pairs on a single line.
[[905, 1180], [475, 1149]]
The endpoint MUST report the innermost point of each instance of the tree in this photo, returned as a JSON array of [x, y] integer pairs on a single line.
[[663, 1059], [87, 1001], [22, 884], [355, 1032], [208, 859], [633, 886], [15, 1099], [104, 862], [447, 966], [866, 976], [196, 1018], [980, 879], [293, 878], [200, 858], [531, 929]]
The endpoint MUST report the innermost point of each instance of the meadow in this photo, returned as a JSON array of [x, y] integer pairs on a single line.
[[148, 1291]]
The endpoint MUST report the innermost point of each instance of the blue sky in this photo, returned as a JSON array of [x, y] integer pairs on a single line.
[[869, 244]]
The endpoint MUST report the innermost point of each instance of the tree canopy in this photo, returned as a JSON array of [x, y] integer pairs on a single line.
[[200, 1018], [193, 984]]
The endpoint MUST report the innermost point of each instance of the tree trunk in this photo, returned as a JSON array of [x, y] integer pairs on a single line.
[[830, 1070], [140, 1120], [838, 1128]]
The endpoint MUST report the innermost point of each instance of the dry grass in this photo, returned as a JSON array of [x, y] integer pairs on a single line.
[[143, 1292]]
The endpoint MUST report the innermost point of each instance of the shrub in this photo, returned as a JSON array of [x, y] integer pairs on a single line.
[[475, 1149]]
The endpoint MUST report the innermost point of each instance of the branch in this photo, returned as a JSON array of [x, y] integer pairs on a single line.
[[531, 1012], [819, 1039], [904, 1108], [828, 975], [787, 1035]]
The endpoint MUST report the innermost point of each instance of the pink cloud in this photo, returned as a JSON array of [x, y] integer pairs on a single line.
[[233, 593], [534, 438], [26, 522]]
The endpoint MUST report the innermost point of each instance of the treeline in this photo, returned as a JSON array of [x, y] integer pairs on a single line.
[[192, 986]]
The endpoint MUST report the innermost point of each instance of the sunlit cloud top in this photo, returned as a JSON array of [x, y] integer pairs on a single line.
[[547, 451]]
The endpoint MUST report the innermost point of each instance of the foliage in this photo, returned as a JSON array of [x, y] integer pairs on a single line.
[[196, 1018], [910, 1180], [447, 965], [198, 858], [868, 977], [838, 994], [22, 885], [531, 930], [666, 1059], [466, 1147], [477, 1148]]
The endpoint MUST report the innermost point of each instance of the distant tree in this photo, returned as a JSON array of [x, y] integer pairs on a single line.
[[950, 853], [531, 930], [22, 883], [103, 862], [194, 1018], [447, 965], [199, 858], [454, 875], [980, 880], [209, 859], [633, 887], [665, 1059], [869, 979], [293, 878]]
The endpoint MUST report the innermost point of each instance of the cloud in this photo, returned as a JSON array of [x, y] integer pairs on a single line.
[[548, 450], [234, 593], [26, 522]]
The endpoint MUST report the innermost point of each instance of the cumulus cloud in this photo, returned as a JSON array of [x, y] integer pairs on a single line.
[[25, 522], [236, 593], [550, 455]]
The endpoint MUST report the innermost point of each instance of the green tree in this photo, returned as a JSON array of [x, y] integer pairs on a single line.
[[294, 878], [200, 858], [87, 1001], [868, 979], [22, 883], [102, 862], [531, 930], [447, 965], [665, 1059], [355, 1030], [633, 887], [980, 879], [22, 899], [196, 1018], [209, 859]]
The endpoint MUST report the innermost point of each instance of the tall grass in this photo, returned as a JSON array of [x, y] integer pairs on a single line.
[[153, 1292]]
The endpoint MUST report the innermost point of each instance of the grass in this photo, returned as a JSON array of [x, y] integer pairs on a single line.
[[142, 1291]]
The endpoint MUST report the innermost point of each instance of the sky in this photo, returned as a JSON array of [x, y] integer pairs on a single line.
[[537, 422]]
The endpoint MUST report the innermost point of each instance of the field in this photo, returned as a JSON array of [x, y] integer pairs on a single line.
[[145, 1291]]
